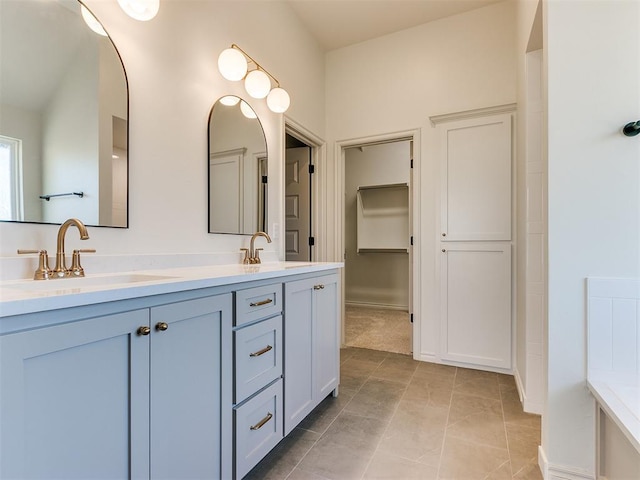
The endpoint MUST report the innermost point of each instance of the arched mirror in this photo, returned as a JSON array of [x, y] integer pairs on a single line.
[[237, 169], [63, 117]]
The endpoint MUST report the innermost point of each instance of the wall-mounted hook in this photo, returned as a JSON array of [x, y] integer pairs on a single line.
[[631, 129]]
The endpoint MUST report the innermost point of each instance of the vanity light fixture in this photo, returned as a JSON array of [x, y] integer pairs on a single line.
[[247, 111], [142, 10], [233, 64], [91, 21], [229, 100]]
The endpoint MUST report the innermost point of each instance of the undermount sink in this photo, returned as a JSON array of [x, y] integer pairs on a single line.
[[85, 282]]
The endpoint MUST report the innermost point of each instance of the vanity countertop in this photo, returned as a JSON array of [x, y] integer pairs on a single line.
[[30, 296]]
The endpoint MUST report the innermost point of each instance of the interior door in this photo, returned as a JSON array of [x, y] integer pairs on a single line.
[[297, 204]]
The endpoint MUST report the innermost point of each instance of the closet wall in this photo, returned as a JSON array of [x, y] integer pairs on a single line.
[[376, 277]]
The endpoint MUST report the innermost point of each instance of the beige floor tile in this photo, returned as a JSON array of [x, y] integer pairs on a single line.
[[281, 461], [477, 419], [523, 445], [463, 405], [376, 399], [416, 432], [324, 414], [397, 368], [386, 466], [300, 474], [530, 471], [433, 391], [513, 412], [358, 432], [478, 383], [469, 461], [336, 461], [429, 369]]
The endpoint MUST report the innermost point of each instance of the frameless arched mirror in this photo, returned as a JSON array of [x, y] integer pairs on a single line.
[[237, 169], [63, 118]]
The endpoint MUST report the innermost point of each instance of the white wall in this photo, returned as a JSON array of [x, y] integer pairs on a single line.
[[394, 83], [25, 124], [171, 65], [374, 278], [593, 65]]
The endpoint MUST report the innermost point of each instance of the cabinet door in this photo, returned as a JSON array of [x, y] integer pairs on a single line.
[[326, 341], [187, 359], [74, 400], [298, 352], [476, 179], [311, 358], [476, 304]]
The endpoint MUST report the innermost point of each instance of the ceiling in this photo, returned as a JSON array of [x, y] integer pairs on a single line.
[[338, 23]]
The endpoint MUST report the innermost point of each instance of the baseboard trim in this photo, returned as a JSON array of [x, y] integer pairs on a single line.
[[382, 306], [561, 472], [527, 405]]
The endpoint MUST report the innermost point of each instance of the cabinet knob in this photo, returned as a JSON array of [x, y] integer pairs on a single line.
[[144, 330], [161, 326], [444, 234], [444, 251], [318, 287]]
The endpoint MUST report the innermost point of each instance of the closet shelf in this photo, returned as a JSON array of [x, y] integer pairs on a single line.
[[383, 218]]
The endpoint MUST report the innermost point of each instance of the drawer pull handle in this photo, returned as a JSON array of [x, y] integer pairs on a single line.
[[263, 302], [261, 423], [261, 352], [318, 287], [144, 330]]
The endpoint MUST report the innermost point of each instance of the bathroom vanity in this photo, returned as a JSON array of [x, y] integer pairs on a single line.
[[182, 373]]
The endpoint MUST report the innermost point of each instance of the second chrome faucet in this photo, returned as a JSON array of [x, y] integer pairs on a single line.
[[252, 254]]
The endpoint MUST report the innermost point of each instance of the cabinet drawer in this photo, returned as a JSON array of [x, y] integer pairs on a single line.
[[258, 302], [258, 356], [258, 427]]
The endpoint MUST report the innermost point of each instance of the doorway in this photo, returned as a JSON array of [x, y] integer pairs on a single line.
[[377, 241], [299, 168]]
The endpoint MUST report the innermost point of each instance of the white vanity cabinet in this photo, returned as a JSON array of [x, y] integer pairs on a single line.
[[312, 345], [134, 394]]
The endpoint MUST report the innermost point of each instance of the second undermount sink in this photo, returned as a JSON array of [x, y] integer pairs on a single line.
[[86, 282]]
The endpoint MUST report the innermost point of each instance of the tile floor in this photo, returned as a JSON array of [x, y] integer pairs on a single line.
[[378, 329], [396, 418]]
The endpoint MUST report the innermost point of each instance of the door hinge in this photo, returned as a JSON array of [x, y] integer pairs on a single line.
[[411, 317], [264, 179], [312, 168], [411, 163], [411, 239], [312, 241]]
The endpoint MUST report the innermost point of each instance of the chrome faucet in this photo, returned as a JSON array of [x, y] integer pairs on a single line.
[[61, 269], [252, 255]]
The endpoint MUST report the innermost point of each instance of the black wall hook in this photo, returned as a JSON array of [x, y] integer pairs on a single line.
[[631, 129]]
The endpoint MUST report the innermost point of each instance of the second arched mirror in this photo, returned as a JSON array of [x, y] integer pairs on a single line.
[[237, 169]]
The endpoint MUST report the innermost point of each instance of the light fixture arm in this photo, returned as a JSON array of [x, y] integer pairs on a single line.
[[259, 67]]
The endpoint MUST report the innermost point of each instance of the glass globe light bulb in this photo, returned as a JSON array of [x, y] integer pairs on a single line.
[[247, 111], [257, 84], [229, 100], [91, 21], [232, 64], [142, 10], [278, 100]]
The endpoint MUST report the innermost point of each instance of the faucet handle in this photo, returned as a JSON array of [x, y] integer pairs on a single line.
[[246, 260], [43, 271], [76, 268], [256, 259]]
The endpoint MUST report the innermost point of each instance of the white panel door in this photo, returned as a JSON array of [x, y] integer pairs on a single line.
[[225, 193], [297, 204], [476, 303], [476, 179]]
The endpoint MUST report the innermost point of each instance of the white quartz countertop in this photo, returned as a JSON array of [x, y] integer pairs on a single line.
[[30, 296]]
